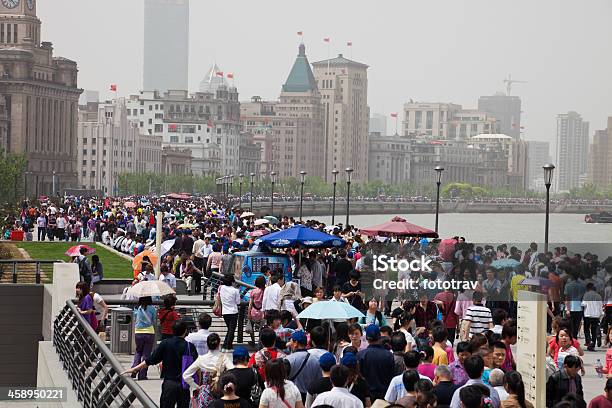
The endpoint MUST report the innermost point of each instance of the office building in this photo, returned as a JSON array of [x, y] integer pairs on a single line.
[[166, 45], [539, 155], [344, 88], [40, 97], [378, 124], [506, 109], [572, 151], [600, 158], [389, 159]]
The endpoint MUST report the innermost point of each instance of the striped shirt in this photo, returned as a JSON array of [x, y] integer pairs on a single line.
[[480, 318]]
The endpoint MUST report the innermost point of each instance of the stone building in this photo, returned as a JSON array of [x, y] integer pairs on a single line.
[[343, 84], [389, 159], [176, 162], [600, 157], [41, 98]]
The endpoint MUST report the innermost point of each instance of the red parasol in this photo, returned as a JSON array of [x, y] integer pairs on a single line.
[[398, 227], [76, 250]]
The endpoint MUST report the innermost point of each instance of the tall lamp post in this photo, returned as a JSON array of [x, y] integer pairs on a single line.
[[231, 190], [272, 180], [302, 179], [439, 170], [240, 180], [335, 173], [251, 195], [348, 171], [548, 175]]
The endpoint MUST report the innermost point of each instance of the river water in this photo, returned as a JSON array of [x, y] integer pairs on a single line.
[[502, 227]]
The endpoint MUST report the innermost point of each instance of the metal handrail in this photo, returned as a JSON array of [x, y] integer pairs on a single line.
[[16, 262], [92, 368]]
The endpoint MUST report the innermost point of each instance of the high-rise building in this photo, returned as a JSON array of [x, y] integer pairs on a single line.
[[572, 151], [506, 109], [600, 157], [40, 94], [166, 45], [344, 87], [294, 125], [538, 156], [106, 145], [378, 124]]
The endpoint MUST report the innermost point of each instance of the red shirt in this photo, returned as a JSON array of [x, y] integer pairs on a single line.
[[600, 402], [166, 320], [449, 317]]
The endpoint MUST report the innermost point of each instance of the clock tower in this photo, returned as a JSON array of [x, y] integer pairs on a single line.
[[19, 25]]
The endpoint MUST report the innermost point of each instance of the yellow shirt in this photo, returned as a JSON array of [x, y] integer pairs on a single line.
[[515, 287], [440, 356]]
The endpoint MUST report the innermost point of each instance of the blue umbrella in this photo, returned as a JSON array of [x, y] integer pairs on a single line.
[[330, 310], [300, 236], [505, 263]]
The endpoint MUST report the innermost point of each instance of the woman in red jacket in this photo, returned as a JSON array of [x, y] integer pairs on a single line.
[[167, 316]]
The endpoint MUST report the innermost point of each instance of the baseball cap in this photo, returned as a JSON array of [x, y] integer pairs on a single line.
[[300, 337], [327, 361], [372, 332], [349, 360]]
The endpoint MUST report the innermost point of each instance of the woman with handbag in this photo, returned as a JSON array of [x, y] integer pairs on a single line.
[[255, 313], [210, 366], [229, 296]]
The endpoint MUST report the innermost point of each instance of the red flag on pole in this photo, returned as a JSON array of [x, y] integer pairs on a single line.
[[300, 33], [394, 115], [219, 73], [113, 88], [172, 126], [230, 75], [349, 44], [327, 39], [210, 123]]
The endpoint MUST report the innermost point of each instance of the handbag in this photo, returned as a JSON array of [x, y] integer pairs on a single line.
[[186, 361], [218, 307], [255, 389]]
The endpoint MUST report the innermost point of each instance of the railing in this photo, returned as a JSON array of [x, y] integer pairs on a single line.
[[13, 266], [94, 371]]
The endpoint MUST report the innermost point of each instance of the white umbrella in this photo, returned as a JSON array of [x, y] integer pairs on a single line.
[[150, 288], [166, 246], [261, 221], [247, 214]]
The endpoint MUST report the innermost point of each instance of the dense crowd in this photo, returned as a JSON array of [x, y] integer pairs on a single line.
[[413, 348]]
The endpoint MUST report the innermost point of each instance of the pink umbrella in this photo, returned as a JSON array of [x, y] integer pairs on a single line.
[[398, 227], [447, 248], [129, 204], [76, 250], [259, 233]]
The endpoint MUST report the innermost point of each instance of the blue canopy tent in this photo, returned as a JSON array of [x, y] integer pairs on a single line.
[[300, 236]]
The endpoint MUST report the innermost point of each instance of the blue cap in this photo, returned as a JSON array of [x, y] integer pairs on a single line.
[[240, 353], [372, 332], [300, 337], [349, 360], [327, 361]]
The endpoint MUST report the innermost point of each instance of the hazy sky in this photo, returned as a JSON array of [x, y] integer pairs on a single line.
[[435, 51]]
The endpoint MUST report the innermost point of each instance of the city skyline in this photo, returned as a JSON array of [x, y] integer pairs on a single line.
[[534, 53]]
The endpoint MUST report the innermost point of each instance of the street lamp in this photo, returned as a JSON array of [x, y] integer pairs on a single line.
[[348, 171], [335, 173], [240, 179], [251, 197], [272, 179], [231, 185], [439, 170], [548, 175], [302, 179]]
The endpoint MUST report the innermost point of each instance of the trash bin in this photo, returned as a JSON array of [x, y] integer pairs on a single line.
[[122, 330]]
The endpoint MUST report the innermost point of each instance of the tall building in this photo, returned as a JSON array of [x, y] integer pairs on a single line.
[[378, 124], [446, 121], [600, 157], [344, 87], [107, 145], [572, 151], [389, 160], [506, 109], [166, 45], [539, 155], [40, 95], [290, 131]]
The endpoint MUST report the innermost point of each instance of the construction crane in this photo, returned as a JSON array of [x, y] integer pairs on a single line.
[[509, 81]]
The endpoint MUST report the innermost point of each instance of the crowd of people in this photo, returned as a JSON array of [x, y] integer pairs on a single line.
[[413, 348]]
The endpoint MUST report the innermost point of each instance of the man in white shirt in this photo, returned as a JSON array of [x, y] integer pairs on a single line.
[[396, 389], [339, 396], [166, 276], [198, 260], [198, 339], [270, 297]]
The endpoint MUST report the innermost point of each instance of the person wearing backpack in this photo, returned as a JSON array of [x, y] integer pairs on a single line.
[[171, 353], [84, 266], [373, 315], [267, 337]]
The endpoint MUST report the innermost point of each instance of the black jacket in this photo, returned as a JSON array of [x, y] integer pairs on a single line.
[[557, 387]]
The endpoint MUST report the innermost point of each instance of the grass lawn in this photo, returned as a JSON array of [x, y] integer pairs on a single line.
[[114, 265]]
